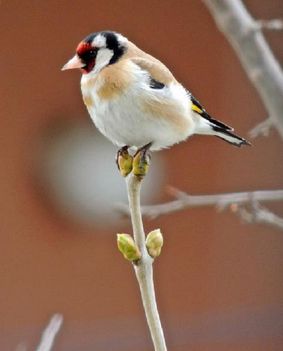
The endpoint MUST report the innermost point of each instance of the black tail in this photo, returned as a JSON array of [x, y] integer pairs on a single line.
[[211, 126], [228, 136]]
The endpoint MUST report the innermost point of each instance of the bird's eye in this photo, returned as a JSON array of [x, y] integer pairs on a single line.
[[93, 52]]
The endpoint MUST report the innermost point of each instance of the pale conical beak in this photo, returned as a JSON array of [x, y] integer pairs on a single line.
[[75, 62]]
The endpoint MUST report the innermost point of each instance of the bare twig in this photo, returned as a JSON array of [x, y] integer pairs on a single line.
[[244, 34], [263, 215], [261, 129], [218, 200], [143, 268], [259, 214], [50, 332], [273, 24]]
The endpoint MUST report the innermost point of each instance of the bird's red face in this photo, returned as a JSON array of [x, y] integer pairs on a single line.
[[110, 45], [87, 53], [84, 58]]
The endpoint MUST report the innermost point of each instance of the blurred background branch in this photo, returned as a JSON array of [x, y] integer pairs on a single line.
[[50, 332], [259, 214], [244, 34], [220, 201], [274, 24]]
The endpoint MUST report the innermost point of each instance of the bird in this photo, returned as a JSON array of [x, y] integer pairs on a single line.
[[135, 101]]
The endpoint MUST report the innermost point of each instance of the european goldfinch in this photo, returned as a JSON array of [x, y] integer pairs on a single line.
[[133, 98]]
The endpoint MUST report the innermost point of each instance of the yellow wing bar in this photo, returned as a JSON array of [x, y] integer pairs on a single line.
[[197, 109]]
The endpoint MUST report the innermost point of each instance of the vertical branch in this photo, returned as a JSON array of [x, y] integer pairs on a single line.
[[134, 190], [143, 268]]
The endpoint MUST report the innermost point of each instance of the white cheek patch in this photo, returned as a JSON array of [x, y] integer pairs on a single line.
[[102, 59], [99, 41], [121, 39]]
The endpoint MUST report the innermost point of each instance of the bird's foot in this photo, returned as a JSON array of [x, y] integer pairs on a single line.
[[141, 161], [124, 161]]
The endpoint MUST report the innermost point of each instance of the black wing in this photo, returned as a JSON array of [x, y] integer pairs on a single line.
[[196, 107], [154, 84]]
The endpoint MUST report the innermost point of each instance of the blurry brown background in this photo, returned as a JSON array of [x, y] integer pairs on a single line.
[[219, 281]]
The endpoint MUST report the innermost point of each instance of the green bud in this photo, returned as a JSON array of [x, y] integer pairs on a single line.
[[128, 247], [154, 243], [140, 164], [125, 163]]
